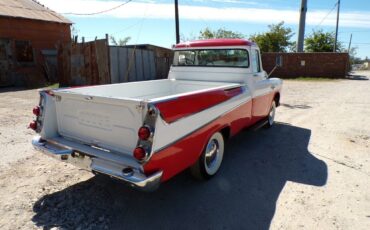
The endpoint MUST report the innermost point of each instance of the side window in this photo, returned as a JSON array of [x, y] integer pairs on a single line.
[[256, 63]]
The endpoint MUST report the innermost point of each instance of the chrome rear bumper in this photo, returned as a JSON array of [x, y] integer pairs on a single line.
[[84, 160]]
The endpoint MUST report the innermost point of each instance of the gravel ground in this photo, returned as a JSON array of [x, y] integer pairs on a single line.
[[310, 171]]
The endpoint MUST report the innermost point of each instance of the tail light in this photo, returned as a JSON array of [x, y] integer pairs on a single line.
[[144, 133], [36, 110], [143, 151], [139, 153], [33, 125]]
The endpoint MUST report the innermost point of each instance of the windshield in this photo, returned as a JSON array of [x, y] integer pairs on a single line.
[[212, 58]]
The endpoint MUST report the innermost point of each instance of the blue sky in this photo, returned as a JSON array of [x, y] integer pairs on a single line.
[[152, 21]]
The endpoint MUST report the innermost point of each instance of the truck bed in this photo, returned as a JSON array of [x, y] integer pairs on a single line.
[[148, 90], [109, 116]]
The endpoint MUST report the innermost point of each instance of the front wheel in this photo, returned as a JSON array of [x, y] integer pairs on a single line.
[[271, 116], [210, 161]]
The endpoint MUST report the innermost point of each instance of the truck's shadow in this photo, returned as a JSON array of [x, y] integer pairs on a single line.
[[242, 196], [356, 76]]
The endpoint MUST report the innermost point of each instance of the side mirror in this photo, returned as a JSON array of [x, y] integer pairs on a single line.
[[279, 61], [278, 64]]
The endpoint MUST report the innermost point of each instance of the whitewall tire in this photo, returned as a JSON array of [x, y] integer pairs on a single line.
[[210, 161]]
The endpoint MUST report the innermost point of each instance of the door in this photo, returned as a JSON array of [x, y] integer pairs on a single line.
[[5, 59], [262, 93]]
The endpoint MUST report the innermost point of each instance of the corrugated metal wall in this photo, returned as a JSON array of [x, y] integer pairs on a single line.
[[130, 64]]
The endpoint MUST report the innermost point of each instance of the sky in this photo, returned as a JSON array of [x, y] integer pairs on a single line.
[[152, 21]]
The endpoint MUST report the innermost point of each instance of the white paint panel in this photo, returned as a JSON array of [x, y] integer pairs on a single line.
[[107, 123], [48, 117]]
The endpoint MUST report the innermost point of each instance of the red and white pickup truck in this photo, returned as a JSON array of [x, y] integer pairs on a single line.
[[144, 133]]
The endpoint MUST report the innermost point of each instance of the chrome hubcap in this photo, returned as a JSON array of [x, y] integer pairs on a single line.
[[272, 114], [211, 153]]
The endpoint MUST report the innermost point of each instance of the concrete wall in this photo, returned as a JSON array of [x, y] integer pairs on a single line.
[[43, 36], [329, 65]]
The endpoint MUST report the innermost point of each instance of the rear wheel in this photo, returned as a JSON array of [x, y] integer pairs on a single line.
[[210, 161], [271, 116]]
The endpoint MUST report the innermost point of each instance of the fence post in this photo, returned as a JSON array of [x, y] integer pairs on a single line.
[[108, 55]]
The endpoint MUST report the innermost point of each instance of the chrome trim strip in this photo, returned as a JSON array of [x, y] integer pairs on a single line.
[[113, 169]]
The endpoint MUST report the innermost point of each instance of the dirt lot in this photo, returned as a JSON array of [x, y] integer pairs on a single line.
[[311, 171]]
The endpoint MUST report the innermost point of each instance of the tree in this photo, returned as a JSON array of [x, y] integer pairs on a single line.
[[292, 48], [120, 42], [190, 37], [207, 33], [277, 39], [353, 56], [320, 41]]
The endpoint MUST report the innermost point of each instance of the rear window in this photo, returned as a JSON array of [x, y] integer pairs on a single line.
[[212, 58]]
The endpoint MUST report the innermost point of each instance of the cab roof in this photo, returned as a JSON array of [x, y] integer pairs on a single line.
[[215, 43]]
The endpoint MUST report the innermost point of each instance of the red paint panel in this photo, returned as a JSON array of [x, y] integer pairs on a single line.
[[261, 106], [215, 43], [186, 151], [187, 105]]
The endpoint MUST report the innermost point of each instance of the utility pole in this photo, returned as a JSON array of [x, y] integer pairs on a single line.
[[177, 22], [336, 30], [350, 43], [302, 25]]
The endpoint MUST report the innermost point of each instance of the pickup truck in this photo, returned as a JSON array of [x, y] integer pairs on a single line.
[[144, 133]]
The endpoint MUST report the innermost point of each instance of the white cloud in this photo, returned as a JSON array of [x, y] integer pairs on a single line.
[[233, 2], [150, 9]]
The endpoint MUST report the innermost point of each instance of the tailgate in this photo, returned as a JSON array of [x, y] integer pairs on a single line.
[[109, 123]]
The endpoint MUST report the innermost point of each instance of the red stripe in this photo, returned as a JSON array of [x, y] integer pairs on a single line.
[[190, 104], [215, 43], [186, 151]]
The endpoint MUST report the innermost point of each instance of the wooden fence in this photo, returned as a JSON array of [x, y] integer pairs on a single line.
[[131, 64], [95, 63], [84, 63]]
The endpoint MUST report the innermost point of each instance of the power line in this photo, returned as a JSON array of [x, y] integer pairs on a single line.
[[199, 16], [355, 31], [129, 27], [327, 15], [100, 12], [359, 43]]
